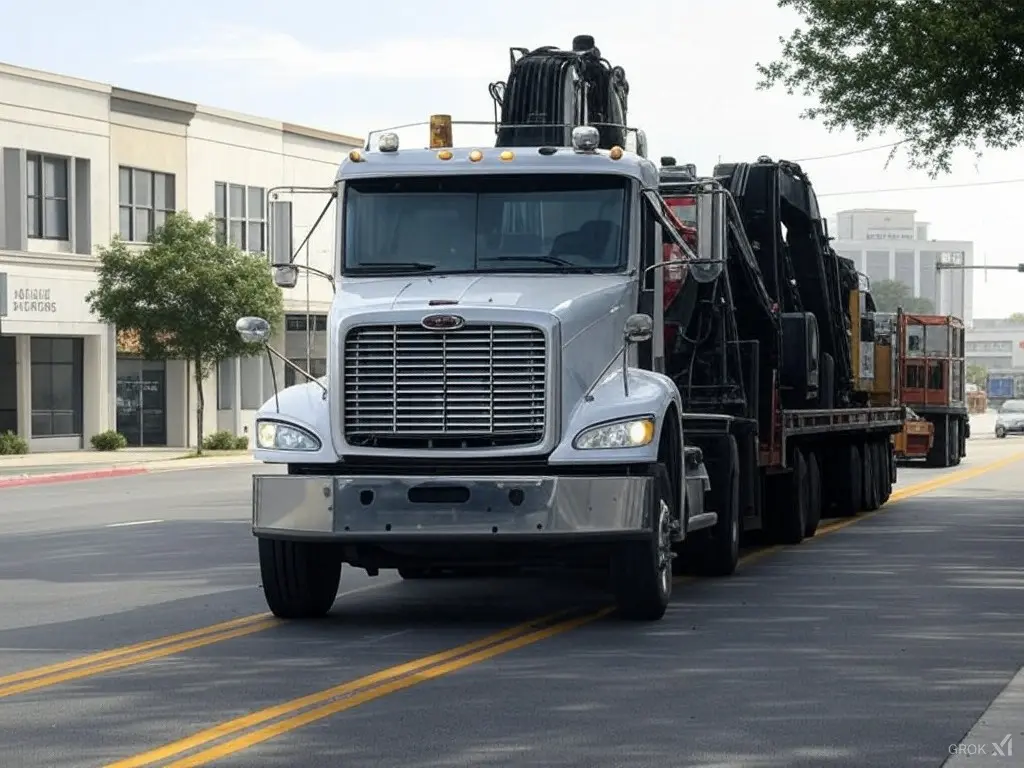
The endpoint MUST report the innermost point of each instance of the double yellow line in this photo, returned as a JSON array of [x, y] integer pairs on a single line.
[[317, 706], [241, 733], [131, 655]]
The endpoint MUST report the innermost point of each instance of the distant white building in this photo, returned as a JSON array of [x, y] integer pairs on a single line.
[[890, 244], [995, 344]]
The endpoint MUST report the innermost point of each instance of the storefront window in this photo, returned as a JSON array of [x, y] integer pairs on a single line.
[[8, 386], [56, 386]]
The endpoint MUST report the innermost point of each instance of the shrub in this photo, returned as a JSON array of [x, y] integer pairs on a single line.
[[12, 444], [111, 440], [223, 440]]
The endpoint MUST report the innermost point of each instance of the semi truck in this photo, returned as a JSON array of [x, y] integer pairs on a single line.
[[533, 360]]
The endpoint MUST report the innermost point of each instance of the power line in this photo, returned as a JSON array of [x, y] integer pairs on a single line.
[[852, 152], [922, 188]]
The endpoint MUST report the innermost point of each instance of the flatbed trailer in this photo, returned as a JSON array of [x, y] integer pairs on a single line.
[[800, 385]]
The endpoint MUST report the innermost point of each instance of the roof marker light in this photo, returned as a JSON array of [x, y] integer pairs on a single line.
[[507, 155], [440, 131], [444, 154], [476, 156], [355, 156], [615, 153]]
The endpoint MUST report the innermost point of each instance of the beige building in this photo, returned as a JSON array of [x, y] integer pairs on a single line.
[[891, 244], [80, 161]]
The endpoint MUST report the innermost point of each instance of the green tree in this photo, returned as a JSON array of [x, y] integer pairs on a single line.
[[890, 294], [977, 375], [181, 296], [943, 74], [1017, 317]]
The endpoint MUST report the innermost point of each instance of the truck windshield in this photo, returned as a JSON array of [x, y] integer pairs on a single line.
[[501, 223]]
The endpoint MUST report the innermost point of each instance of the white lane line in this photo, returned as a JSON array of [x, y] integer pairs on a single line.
[[133, 522]]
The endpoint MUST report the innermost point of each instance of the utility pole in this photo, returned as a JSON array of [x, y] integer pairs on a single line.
[[954, 263]]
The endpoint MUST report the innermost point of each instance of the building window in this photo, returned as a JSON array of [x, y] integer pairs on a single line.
[[146, 197], [317, 367], [56, 386], [300, 322], [240, 214], [47, 185]]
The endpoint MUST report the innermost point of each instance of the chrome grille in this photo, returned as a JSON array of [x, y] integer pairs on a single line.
[[478, 385]]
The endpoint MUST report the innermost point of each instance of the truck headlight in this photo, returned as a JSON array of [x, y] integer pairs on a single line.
[[275, 436], [629, 433]]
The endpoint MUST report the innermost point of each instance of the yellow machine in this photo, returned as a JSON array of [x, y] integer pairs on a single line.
[[872, 343], [876, 354]]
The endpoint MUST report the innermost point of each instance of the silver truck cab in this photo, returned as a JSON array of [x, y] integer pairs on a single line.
[[494, 395]]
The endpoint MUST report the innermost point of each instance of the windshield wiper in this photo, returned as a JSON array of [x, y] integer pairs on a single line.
[[394, 266], [567, 265]]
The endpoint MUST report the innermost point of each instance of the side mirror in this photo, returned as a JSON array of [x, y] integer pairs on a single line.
[[639, 328], [279, 244], [286, 276], [253, 330]]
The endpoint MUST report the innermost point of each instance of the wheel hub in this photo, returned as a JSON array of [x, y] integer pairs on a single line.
[[664, 546]]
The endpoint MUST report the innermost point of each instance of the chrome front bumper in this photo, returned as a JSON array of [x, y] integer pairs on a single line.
[[387, 508]]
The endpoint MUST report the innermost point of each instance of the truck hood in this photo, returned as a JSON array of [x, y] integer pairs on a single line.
[[577, 300]]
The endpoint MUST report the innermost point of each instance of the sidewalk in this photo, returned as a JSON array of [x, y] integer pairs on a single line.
[[38, 468]]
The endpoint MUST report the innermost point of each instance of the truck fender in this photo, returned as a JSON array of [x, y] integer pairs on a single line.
[[304, 406], [650, 394]]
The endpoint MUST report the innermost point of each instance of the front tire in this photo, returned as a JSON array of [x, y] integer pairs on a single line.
[[300, 579], [641, 571]]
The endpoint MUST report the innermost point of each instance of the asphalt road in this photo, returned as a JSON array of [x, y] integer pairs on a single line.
[[877, 644]]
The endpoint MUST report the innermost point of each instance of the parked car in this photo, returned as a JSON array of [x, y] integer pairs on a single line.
[[1010, 418]]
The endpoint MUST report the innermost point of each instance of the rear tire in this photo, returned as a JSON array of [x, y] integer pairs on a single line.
[[716, 552], [790, 509], [300, 579], [641, 571], [849, 475], [954, 442], [884, 454], [871, 481], [814, 495]]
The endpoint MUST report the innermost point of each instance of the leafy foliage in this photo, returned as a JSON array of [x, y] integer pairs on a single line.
[[111, 440], [180, 297], [224, 440], [943, 74], [977, 375], [891, 294], [12, 444], [1017, 317]]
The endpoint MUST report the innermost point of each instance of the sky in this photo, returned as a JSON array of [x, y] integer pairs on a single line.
[[353, 68]]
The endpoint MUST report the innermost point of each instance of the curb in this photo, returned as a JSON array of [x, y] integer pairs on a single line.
[[63, 477]]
